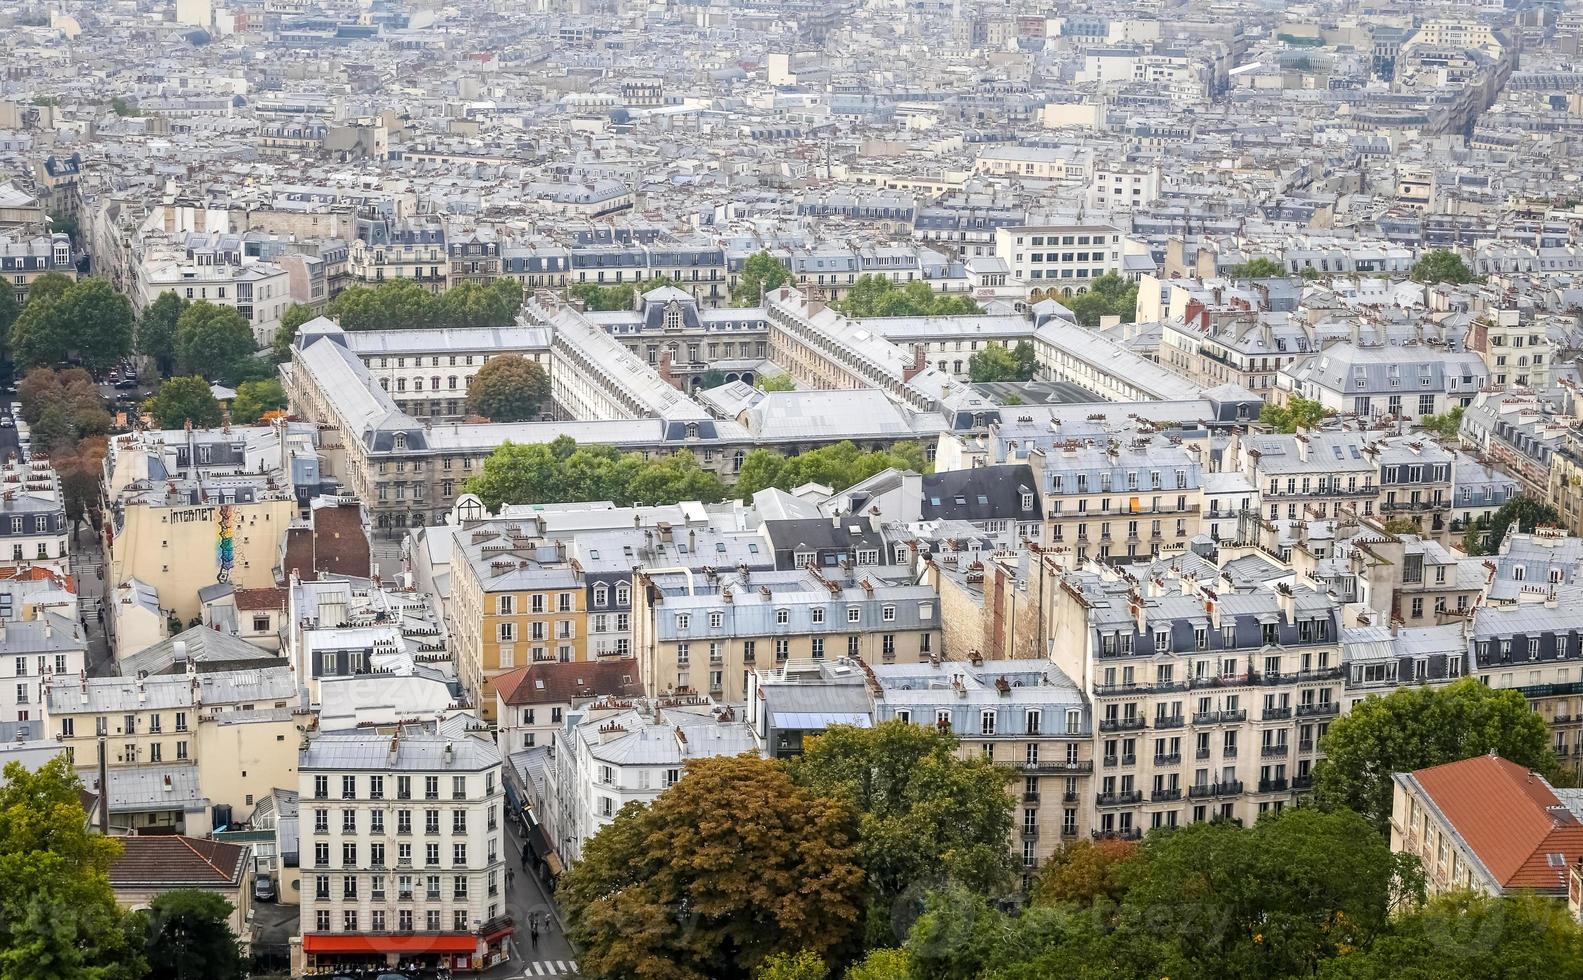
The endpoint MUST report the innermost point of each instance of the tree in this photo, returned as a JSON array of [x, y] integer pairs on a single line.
[[88, 317], [1403, 525], [122, 106], [1260, 268], [1086, 871], [996, 363], [926, 814], [761, 273], [1108, 295], [189, 936], [1310, 274], [672, 479], [396, 304], [880, 296], [62, 407], [212, 340], [1416, 727], [838, 466], [1484, 535], [881, 964], [1446, 426], [562, 471], [291, 320], [58, 916], [688, 889], [9, 310], [66, 223], [255, 398], [509, 388], [776, 382], [156, 330], [79, 471], [1468, 936], [473, 305], [1440, 265], [181, 400], [1298, 413], [712, 378], [803, 965]]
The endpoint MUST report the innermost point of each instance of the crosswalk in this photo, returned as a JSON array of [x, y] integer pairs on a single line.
[[550, 968]]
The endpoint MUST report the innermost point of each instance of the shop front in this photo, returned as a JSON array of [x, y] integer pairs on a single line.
[[413, 953]]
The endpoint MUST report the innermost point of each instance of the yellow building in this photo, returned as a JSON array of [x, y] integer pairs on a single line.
[[515, 599]]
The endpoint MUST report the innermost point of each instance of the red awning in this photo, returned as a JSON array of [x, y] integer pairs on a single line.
[[408, 943], [500, 933]]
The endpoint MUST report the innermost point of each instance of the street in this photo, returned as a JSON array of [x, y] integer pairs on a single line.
[[528, 901], [87, 566]]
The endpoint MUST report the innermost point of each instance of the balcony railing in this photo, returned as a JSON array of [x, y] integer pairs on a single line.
[[1165, 795], [1057, 765], [1200, 791], [1272, 785], [1030, 796], [1274, 751], [1320, 710], [1302, 782], [1171, 721], [1305, 745], [1030, 833], [1119, 799], [1122, 724], [1276, 714], [1131, 833], [1168, 759]]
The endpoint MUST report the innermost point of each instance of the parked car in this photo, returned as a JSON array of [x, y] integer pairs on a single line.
[[263, 889]]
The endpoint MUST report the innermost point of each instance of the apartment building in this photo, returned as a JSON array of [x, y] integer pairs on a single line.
[[212, 268], [1516, 349], [532, 702], [693, 637], [1118, 500], [23, 260], [1308, 476], [1059, 260], [1207, 705], [1416, 482], [595, 377], [1246, 350], [34, 652], [1025, 714], [515, 599], [474, 256], [385, 247], [1107, 366], [1405, 381], [33, 526], [371, 899]]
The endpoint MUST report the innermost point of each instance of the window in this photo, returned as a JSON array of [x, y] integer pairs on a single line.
[[888, 613], [987, 723]]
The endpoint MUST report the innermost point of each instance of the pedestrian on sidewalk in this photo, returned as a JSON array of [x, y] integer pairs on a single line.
[[533, 935]]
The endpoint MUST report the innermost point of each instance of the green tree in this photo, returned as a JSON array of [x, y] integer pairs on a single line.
[[156, 330], [996, 363], [562, 471], [879, 296], [211, 340], [712, 378], [62, 407], [473, 305], [1108, 295], [88, 317], [619, 296], [1484, 535], [838, 466], [1403, 525], [1086, 871], [926, 814], [1310, 274], [291, 320], [58, 916], [9, 310], [1467, 936], [1446, 426], [674, 478], [254, 398], [761, 273], [686, 889], [802, 965], [1416, 727], [1260, 268], [66, 222], [1440, 265], [509, 388], [122, 106], [776, 382], [396, 304], [189, 936], [181, 400], [49, 287], [1298, 413], [881, 964]]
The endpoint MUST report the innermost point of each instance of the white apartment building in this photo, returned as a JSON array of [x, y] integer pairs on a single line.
[[402, 851], [212, 268], [1059, 259]]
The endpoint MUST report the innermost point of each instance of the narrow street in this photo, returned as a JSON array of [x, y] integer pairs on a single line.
[[528, 901], [87, 567]]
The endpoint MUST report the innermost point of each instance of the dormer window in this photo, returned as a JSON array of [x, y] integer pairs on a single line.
[[692, 430], [673, 317], [1027, 500], [400, 441]]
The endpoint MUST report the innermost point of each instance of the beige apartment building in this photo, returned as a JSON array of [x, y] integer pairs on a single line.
[[704, 633], [1119, 500]]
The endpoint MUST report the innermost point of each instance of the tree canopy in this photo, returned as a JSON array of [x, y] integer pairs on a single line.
[[838, 466], [213, 341], [1260, 268], [730, 866], [509, 388], [1447, 425], [58, 917], [996, 363], [188, 935], [88, 318], [1298, 413], [879, 296], [1440, 265], [291, 320], [156, 330], [1485, 534], [181, 400], [1415, 727], [400, 304], [761, 272], [1108, 295], [562, 471], [776, 382], [9, 310], [619, 296], [255, 398], [926, 815], [61, 407]]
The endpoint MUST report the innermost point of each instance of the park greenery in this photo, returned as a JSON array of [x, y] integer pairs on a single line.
[[621, 296], [778, 382], [1416, 727], [1108, 295], [562, 471], [1484, 533], [181, 400], [878, 296], [399, 304], [1440, 265], [86, 321], [1297, 413], [760, 273], [255, 399], [996, 363], [69, 426], [1260, 268], [509, 388]]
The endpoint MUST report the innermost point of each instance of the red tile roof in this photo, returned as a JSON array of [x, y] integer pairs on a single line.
[[268, 598], [554, 682], [176, 861], [1510, 817]]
